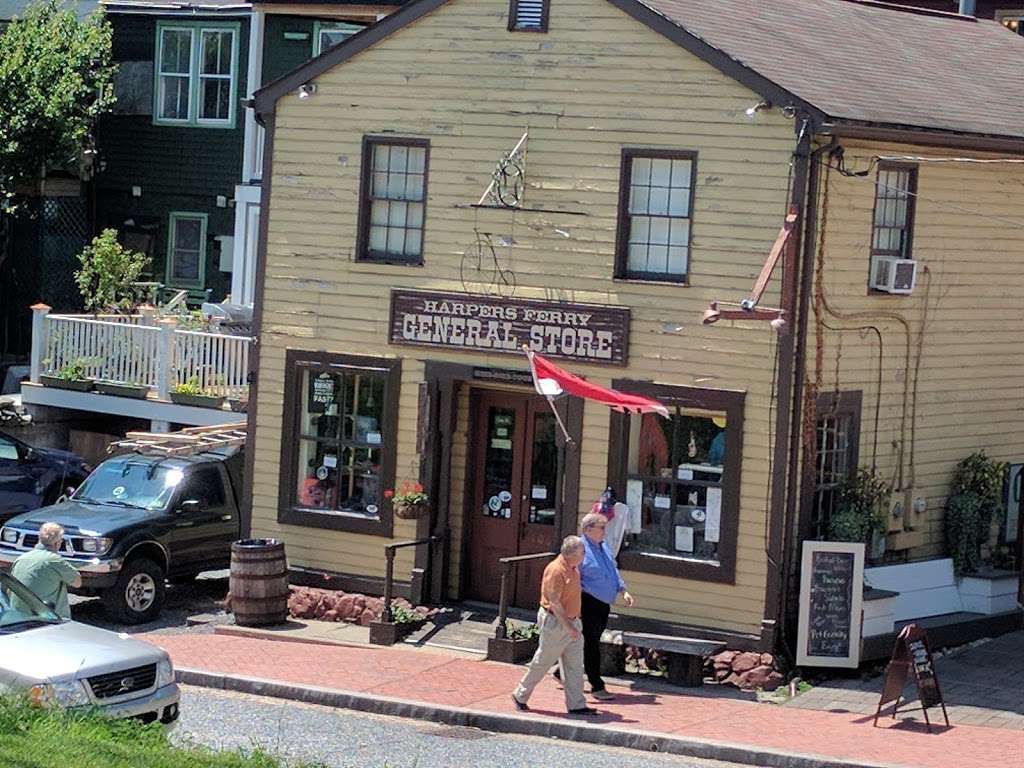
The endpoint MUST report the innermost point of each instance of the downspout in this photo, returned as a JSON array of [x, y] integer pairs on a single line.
[[776, 511], [794, 485]]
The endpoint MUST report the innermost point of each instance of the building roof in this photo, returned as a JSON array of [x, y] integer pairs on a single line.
[[178, 7], [871, 62], [849, 62]]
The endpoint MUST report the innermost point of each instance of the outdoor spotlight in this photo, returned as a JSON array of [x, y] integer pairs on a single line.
[[759, 107], [306, 90], [711, 314]]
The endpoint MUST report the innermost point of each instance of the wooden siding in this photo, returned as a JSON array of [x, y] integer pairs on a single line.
[[598, 81], [964, 318]]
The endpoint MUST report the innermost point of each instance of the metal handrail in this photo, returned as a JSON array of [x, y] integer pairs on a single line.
[[507, 564], [389, 574]]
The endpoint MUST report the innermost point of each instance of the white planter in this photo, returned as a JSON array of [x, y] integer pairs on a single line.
[[879, 615], [989, 593]]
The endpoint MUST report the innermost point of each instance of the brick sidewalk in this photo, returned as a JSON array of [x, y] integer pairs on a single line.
[[424, 677]]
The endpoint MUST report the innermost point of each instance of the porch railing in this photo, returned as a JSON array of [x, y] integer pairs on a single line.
[[139, 350], [508, 566]]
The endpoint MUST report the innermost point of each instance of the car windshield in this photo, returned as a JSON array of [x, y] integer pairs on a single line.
[[20, 608], [130, 483]]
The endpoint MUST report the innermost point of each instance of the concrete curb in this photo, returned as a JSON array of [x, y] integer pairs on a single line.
[[566, 730]]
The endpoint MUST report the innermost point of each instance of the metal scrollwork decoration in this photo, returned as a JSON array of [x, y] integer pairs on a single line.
[[508, 182], [480, 271]]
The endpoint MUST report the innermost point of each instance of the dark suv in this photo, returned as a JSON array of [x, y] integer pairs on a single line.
[[137, 521], [34, 477]]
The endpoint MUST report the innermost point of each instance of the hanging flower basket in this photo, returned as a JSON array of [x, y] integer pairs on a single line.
[[410, 510]]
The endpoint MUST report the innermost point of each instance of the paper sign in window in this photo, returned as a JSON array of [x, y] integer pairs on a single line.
[[662, 502], [330, 461], [684, 538], [713, 521], [539, 492]]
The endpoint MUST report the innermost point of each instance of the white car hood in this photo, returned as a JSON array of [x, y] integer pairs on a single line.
[[63, 651]]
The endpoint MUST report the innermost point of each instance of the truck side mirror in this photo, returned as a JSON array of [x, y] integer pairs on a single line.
[[189, 507]]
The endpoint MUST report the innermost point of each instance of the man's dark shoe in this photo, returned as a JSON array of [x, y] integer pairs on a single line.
[[583, 711], [557, 673], [521, 706]]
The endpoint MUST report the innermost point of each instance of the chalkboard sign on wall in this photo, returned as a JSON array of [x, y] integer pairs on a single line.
[[831, 592]]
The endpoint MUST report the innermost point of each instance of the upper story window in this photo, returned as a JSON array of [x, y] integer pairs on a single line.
[[895, 191], [328, 34], [528, 15], [393, 199], [196, 74], [655, 214]]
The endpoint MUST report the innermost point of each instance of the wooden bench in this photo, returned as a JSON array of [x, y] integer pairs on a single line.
[[685, 655]]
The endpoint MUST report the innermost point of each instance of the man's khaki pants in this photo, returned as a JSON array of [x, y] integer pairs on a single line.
[[556, 645]]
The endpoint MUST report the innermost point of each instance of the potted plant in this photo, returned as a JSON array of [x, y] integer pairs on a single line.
[[403, 621], [191, 393], [975, 499], [134, 389], [239, 403], [861, 512], [71, 376], [411, 503], [518, 645]]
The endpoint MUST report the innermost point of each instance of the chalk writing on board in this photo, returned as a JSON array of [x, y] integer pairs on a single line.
[[831, 604]]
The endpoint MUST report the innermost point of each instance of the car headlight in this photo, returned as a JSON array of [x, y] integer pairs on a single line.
[[94, 545], [70, 693], [164, 673], [8, 535]]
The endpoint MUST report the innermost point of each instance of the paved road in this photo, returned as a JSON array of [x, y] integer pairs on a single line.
[[339, 738]]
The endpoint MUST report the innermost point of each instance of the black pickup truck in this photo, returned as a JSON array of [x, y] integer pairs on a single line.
[[138, 521]]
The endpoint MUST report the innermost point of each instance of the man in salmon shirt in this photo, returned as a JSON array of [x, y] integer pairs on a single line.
[[561, 633]]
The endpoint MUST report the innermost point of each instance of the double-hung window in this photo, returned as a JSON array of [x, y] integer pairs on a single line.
[[895, 192], [655, 214], [196, 74], [186, 250], [393, 200]]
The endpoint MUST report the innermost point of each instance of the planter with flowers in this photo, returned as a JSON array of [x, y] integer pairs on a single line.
[[409, 503]]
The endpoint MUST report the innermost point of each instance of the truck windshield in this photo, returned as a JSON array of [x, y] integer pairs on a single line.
[[21, 608], [131, 484]]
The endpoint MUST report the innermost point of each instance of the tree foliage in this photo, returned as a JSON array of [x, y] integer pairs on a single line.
[[56, 78], [108, 273]]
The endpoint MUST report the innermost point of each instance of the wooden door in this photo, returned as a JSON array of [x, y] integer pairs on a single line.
[[512, 509]]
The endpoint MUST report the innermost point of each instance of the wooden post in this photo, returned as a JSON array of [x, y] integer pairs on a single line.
[[39, 340], [389, 576], [165, 357]]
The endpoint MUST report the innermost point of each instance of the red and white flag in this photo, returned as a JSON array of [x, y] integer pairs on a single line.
[[550, 380]]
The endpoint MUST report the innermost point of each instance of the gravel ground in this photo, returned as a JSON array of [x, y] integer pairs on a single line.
[[202, 597], [338, 738]]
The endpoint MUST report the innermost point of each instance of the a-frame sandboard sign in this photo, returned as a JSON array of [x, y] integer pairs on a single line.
[[912, 654]]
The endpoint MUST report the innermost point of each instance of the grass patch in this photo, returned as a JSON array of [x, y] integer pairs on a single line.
[[37, 738]]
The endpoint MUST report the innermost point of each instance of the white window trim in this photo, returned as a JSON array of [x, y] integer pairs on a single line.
[[196, 31], [327, 26], [204, 220]]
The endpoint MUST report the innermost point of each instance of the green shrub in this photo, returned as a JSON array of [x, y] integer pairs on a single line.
[[861, 508], [976, 496], [108, 273]]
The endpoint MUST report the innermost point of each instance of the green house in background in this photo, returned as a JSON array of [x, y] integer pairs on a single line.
[[178, 172]]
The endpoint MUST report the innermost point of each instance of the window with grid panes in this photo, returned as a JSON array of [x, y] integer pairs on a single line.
[[835, 457], [655, 215], [895, 191], [196, 74], [394, 200]]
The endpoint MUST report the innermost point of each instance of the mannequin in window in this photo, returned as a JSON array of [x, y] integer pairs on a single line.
[[617, 514]]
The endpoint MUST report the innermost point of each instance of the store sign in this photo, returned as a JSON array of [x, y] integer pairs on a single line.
[[831, 593], [582, 332], [321, 392]]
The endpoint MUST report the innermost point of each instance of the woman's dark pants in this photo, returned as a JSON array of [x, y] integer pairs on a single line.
[[594, 616]]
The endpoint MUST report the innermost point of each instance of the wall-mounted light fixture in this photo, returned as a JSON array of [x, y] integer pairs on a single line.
[[761, 106], [306, 90]]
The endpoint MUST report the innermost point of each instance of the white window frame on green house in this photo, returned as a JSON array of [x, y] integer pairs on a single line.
[[333, 26], [195, 76], [175, 217]]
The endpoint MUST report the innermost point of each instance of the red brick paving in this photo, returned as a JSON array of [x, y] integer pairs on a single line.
[[423, 676]]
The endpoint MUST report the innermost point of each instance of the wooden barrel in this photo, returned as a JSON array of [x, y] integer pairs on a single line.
[[259, 582]]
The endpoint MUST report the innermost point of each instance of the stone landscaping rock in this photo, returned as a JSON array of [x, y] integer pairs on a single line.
[[336, 605], [745, 662]]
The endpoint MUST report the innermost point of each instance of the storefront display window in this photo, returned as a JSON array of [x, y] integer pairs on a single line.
[[338, 454], [679, 477]]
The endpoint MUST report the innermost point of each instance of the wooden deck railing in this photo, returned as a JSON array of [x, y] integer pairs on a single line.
[[139, 350]]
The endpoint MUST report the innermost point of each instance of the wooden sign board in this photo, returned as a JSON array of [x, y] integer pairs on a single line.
[[912, 655], [831, 593], [589, 333]]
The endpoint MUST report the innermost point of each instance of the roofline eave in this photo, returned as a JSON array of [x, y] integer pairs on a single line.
[[918, 135]]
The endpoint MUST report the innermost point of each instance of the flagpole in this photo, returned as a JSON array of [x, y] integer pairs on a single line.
[[558, 418], [549, 398]]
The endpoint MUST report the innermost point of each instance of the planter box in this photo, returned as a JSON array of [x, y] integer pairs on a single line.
[[511, 651], [989, 592], [879, 612], [239, 406], [78, 385], [137, 391], [199, 401], [389, 633]]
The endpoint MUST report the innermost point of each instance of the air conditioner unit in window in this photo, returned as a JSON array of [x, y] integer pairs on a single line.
[[893, 275]]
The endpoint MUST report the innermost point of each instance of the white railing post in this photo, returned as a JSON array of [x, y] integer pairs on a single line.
[[39, 339], [165, 357]]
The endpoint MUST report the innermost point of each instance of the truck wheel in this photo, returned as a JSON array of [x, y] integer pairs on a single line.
[[138, 594]]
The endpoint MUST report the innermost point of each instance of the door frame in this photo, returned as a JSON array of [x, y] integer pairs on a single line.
[[436, 427]]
